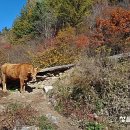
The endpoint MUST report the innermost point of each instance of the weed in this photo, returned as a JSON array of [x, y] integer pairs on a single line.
[[94, 126], [44, 124]]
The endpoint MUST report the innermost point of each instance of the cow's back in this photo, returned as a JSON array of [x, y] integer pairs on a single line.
[[11, 70], [17, 70]]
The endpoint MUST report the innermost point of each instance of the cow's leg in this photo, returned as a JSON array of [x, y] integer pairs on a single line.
[[4, 82], [25, 84], [21, 85]]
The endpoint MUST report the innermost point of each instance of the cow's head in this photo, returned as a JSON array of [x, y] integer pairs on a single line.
[[33, 74]]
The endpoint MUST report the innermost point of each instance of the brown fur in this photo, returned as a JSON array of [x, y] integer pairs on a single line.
[[18, 71]]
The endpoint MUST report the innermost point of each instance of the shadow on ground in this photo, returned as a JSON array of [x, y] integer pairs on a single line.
[[14, 85]]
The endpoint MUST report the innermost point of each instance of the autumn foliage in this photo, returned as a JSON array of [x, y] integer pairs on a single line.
[[82, 41], [114, 28], [118, 23], [58, 32]]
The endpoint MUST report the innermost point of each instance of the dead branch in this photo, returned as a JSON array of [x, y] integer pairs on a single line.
[[119, 56], [55, 70]]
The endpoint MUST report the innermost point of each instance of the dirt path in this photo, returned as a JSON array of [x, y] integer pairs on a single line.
[[38, 100]]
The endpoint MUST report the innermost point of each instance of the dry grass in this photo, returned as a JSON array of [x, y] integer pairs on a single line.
[[99, 85], [16, 114]]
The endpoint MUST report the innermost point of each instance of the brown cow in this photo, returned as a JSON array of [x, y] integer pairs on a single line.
[[18, 71]]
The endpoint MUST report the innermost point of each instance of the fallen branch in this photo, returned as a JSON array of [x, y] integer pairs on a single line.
[[119, 56], [55, 70]]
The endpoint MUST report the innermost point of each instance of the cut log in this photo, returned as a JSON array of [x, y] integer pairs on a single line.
[[55, 70], [119, 56]]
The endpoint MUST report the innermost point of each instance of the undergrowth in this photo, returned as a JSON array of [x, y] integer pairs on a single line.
[[17, 115], [95, 90]]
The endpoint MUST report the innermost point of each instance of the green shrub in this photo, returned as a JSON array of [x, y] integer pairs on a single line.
[[63, 50], [94, 126], [54, 56]]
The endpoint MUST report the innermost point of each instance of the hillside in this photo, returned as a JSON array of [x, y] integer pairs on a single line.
[[2, 39], [92, 37], [38, 101]]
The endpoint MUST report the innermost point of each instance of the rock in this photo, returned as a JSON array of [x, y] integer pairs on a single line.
[[52, 118], [29, 101], [60, 74], [47, 88], [23, 96], [26, 128], [30, 128], [53, 101], [18, 126], [2, 108], [125, 119], [4, 97]]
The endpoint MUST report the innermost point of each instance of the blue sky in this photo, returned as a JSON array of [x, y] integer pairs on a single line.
[[9, 10]]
